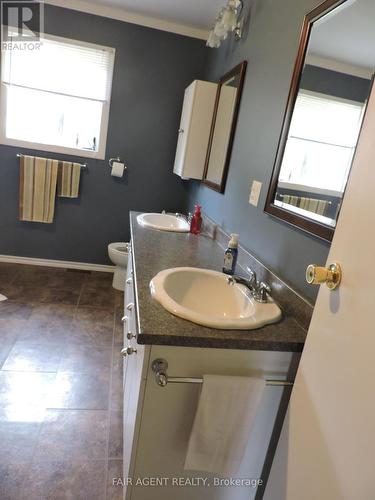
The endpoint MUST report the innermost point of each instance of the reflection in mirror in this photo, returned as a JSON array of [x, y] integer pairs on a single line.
[[223, 127], [320, 137]]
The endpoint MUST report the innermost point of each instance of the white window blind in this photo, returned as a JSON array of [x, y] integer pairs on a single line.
[[58, 95], [321, 143]]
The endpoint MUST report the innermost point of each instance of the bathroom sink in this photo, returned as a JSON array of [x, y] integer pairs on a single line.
[[164, 222], [205, 297]]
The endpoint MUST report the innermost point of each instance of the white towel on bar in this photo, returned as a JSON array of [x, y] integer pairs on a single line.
[[223, 422]]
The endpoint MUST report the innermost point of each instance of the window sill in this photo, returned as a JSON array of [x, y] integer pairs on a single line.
[[48, 148]]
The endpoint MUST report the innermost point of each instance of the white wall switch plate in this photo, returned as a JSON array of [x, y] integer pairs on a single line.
[[255, 193]]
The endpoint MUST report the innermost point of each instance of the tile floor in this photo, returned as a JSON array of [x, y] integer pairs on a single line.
[[60, 384]]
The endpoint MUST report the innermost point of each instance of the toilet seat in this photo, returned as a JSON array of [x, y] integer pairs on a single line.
[[119, 247]]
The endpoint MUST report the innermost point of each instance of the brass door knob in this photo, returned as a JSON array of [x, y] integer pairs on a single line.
[[331, 276]]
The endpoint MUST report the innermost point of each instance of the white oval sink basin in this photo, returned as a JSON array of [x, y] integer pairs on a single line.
[[164, 222], [205, 297]]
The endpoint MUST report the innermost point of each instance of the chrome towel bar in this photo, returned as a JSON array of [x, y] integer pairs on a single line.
[[160, 366], [82, 165]]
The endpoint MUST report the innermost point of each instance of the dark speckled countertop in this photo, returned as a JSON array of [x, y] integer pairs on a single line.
[[153, 251]]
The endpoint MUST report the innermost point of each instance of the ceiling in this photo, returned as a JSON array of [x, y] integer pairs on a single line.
[[194, 13], [347, 35], [187, 17]]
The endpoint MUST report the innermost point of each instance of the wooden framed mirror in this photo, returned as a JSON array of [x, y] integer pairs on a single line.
[[223, 128], [331, 83]]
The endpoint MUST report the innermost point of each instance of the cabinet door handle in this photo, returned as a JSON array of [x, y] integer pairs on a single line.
[[130, 306], [128, 351], [124, 319], [131, 335], [129, 281]]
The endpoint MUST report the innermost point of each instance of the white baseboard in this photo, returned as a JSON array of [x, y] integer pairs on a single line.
[[65, 264]]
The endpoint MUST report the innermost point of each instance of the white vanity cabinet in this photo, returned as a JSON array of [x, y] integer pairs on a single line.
[[194, 131], [135, 363], [158, 420]]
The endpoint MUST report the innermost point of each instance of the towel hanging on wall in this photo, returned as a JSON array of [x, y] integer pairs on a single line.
[[68, 179], [38, 180]]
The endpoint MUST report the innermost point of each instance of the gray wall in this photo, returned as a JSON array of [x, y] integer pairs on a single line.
[[335, 83], [152, 69], [270, 48]]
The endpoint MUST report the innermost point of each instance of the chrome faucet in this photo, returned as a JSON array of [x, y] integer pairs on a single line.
[[187, 217], [259, 290]]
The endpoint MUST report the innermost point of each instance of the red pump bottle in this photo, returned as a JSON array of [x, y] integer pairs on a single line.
[[196, 221]]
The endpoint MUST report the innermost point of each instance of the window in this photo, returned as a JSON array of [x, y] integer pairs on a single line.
[[319, 152], [57, 98]]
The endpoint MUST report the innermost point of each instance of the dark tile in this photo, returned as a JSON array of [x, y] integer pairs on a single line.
[[32, 357], [62, 480], [117, 393], [36, 276], [60, 296], [81, 359], [7, 272], [98, 280], [119, 326], [45, 332], [11, 329], [25, 294], [48, 323], [115, 434], [18, 441], [62, 313], [11, 480], [119, 298], [92, 326], [24, 395], [15, 310], [73, 435], [86, 391], [67, 279], [117, 361], [97, 297], [99, 315], [4, 352], [115, 480]]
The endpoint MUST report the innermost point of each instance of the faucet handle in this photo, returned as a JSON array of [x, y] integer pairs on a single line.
[[252, 275], [264, 291]]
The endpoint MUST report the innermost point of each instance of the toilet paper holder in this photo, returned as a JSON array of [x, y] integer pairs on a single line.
[[118, 159]]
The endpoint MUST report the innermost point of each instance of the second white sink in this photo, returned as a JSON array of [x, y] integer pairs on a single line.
[[164, 222], [204, 297]]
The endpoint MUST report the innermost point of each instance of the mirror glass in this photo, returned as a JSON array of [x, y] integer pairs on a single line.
[[328, 109], [223, 128]]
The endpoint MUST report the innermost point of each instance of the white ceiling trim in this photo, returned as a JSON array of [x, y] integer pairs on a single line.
[[349, 69], [130, 17]]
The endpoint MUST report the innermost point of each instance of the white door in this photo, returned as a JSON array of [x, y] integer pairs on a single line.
[[327, 446]]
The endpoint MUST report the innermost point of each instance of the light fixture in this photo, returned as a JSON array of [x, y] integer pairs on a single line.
[[227, 21]]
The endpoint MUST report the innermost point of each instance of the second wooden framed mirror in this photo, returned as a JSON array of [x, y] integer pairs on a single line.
[[223, 128]]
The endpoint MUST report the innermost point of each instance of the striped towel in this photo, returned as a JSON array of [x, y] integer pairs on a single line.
[[38, 177], [68, 179], [310, 204]]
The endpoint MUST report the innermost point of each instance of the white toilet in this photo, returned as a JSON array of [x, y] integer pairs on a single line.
[[118, 253]]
